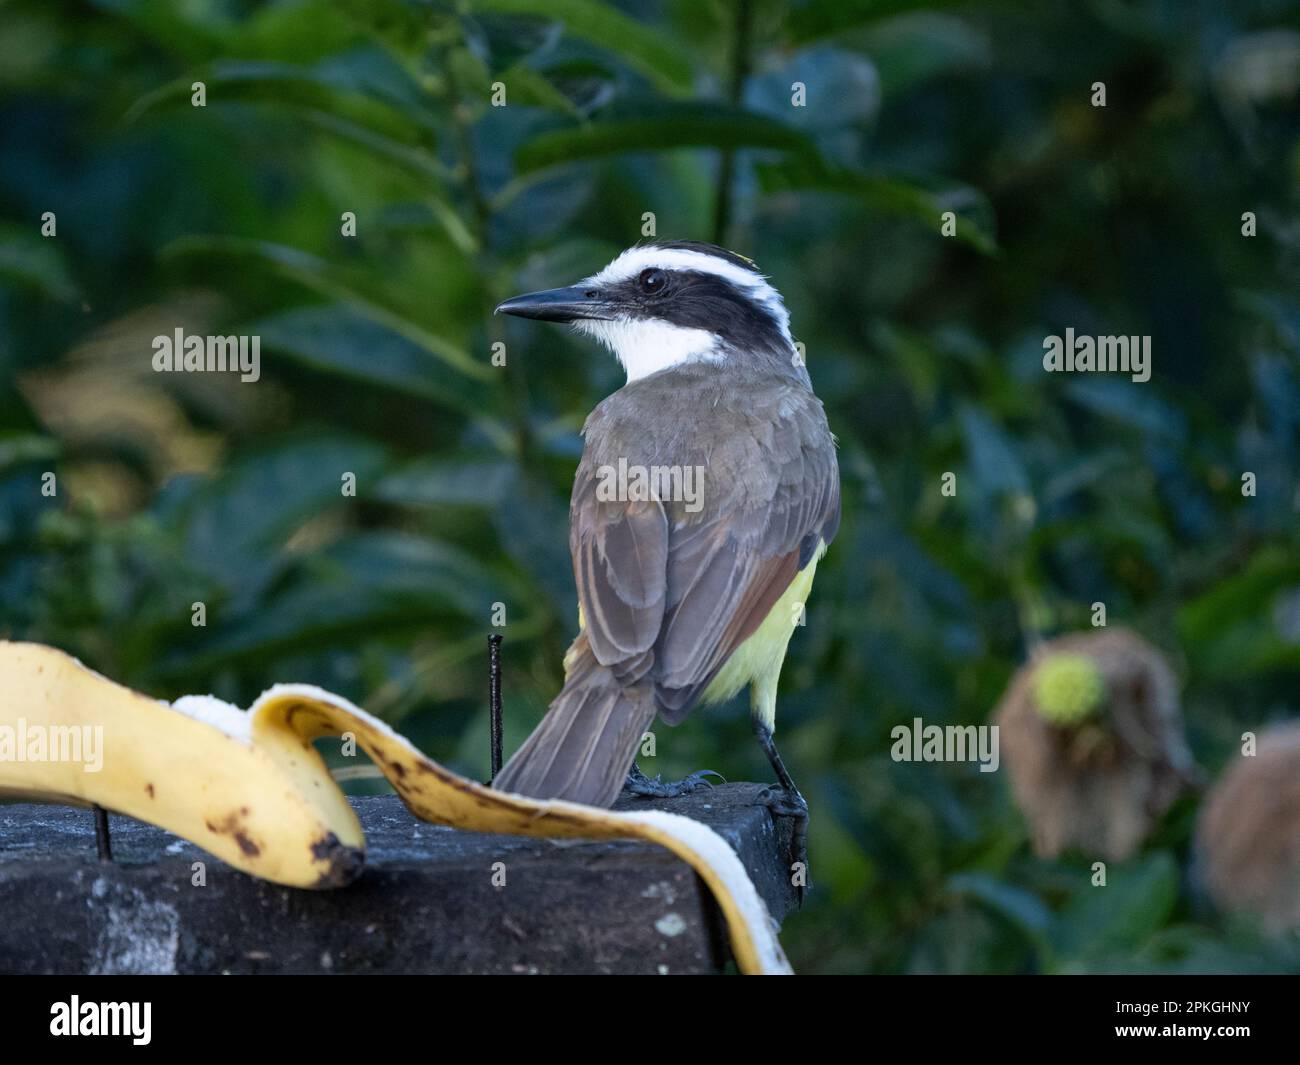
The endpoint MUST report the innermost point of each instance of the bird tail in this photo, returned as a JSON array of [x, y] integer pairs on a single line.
[[584, 746]]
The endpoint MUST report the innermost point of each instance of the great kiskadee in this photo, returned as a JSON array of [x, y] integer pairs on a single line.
[[684, 597]]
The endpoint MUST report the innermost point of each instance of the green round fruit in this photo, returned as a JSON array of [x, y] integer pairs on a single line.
[[1068, 689]]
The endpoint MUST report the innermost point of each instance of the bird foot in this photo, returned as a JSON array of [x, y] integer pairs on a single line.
[[787, 802], [640, 784]]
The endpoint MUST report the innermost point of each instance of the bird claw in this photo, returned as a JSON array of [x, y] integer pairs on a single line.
[[784, 803], [787, 802], [639, 784]]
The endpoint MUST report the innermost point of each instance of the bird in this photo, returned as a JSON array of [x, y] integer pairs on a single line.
[[690, 583]]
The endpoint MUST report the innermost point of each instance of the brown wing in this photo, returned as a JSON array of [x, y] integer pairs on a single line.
[[726, 574], [620, 557], [669, 595]]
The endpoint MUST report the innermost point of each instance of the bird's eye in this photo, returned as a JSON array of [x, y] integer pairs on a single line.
[[652, 281]]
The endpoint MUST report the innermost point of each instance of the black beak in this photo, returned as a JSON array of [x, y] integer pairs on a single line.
[[557, 304]]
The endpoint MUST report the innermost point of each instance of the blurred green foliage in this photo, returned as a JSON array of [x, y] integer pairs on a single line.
[[377, 348]]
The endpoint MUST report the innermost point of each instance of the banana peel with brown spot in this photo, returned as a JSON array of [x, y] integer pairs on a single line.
[[251, 788]]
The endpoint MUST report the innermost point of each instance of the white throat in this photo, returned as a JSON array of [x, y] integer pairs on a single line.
[[646, 345]]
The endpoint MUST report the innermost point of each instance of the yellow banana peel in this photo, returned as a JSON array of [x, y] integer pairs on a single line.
[[251, 788]]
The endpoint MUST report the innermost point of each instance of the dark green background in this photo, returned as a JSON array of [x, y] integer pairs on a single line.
[[376, 360]]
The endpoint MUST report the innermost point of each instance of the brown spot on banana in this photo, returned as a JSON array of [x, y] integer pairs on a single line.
[[344, 862]]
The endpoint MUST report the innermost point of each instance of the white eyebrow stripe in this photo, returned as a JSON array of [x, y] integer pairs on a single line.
[[634, 260]]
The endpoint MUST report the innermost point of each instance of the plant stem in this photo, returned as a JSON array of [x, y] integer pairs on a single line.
[[482, 219], [740, 68]]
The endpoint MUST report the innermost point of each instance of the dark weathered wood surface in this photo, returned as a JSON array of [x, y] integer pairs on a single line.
[[425, 902]]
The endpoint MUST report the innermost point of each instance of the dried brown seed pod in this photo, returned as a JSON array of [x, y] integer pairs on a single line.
[[1093, 738], [1248, 835]]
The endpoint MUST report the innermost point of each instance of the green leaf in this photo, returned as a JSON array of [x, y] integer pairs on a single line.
[[419, 161], [992, 453], [658, 57], [349, 591], [532, 524], [824, 18], [381, 100], [910, 197], [339, 339], [319, 276], [531, 88], [1136, 902], [301, 31], [1022, 908], [1237, 627], [438, 482], [235, 524], [191, 31], [660, 126], [38, 262], [911, 52], [1138, 408], [361, 98], [19, 447]]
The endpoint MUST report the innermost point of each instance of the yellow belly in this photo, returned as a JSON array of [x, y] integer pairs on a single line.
[[758, 660]]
